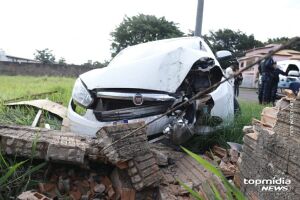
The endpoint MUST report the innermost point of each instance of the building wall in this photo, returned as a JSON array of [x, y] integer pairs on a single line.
[[36, 69], [249, 76]]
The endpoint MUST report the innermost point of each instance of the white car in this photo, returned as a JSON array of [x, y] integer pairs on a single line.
[[291, 67], [144, 81]]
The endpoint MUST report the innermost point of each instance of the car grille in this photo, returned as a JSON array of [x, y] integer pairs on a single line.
[[113, 109]]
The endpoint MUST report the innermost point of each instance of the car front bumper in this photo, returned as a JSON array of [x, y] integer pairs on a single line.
[[88, 125]]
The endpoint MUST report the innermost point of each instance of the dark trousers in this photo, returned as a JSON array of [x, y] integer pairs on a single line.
[[264, 95], [260, 93], [274, 91], [236, 90]]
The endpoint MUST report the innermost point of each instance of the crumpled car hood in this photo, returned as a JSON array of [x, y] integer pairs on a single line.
[[160, 65]]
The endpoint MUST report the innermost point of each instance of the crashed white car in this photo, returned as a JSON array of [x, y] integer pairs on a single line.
[[146, 80]]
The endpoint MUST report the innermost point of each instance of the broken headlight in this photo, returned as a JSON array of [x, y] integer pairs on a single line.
[[81, 95]]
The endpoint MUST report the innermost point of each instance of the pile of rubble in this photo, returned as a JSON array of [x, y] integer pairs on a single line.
[[269, 167], [139, 170], [134, 168], [225, 159]]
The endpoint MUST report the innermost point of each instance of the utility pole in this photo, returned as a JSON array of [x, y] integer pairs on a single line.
[[199, 18]]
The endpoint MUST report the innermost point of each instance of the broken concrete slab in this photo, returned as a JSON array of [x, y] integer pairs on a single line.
[[247, 129], [50, 144], [161, 157], [44, 104], [269, 116]]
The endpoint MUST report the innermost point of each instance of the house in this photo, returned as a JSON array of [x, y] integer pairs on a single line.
[[255, 54], [8, 58]]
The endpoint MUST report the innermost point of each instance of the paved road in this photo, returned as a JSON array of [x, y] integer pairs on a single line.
[[248, 95]]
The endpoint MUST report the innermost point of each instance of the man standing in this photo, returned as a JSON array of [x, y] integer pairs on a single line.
[[229, 72], [266, 68], [275, 80], [237, 82]]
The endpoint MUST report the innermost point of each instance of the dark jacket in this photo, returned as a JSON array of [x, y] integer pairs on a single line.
[[266, 66], [275, 75], [238, 80]]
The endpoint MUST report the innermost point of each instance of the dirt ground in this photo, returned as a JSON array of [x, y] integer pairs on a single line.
[[247, 94]]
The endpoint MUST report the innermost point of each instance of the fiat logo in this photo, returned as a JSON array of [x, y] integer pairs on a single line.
[[138, 99]]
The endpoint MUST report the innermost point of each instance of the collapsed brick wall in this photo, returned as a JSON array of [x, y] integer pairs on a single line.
[[142, 166], [273, 153], [52, 145]]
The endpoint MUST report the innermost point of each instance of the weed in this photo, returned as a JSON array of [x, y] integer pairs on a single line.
[[230, 133], [15, 175]]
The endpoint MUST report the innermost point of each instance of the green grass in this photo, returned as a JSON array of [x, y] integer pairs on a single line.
[[18, 86], [15, 174], [231, 133]]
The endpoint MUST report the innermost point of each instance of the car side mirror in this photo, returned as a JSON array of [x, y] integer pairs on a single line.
[[225, 58], [223, 54]]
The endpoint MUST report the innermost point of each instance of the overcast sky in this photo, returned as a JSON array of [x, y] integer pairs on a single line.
[[79, 30]]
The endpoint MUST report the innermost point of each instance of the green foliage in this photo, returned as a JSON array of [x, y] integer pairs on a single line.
[[231, 191], [18, 86], [283, 40], [230, 133], [9, 172], [15, 176], [277, 40], [98, 64], [234, 41], [62, 61], [45, 56], [142, 28]]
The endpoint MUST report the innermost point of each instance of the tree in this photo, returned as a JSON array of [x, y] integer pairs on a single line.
[[142, 28], [62, 61], [45, 56], [234, 41], [98, 64], [282, 40], [95, 64]]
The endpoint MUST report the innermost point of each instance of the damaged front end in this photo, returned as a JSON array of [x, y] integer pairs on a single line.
[[145, 81], [195, 117]]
